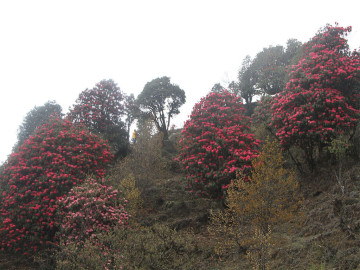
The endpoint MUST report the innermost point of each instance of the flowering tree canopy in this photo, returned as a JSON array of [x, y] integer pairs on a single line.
[[321, 99], [100, 109], [57, 157], [216, 144]]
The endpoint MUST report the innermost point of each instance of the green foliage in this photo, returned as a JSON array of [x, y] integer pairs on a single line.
[[159, 247], [36, 118], [354, 141], [271, 65], [131, 193], [339, 148], [293, 51], [318, 267], [3, 187], [247, 80], [105, 251], [131, 110], [144, 161], [261, 118], [267, 72], [233, 87], [217, 88], [162, 100]]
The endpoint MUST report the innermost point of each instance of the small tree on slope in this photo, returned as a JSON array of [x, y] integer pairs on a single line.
[[255, 207], [161, 100]]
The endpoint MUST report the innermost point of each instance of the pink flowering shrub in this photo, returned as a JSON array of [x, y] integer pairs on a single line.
[[216, 144], [57, 157], [90, 209], [321, 99], [93, 212]]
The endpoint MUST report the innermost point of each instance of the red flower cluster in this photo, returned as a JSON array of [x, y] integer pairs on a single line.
[[321, 99], [216, 144], [43, 170], [91, 208]]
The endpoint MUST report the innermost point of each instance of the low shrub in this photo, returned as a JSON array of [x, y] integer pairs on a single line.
[[90, 209]]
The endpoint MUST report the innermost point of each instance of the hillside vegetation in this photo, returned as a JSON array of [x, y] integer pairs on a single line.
[[268, 185]]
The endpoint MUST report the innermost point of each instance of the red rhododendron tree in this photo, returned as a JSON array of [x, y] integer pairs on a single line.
[[100, 109], [43, 170], [321, 99], [216, 144]]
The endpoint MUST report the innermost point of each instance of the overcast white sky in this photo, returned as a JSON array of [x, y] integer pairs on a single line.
[[53, 50]]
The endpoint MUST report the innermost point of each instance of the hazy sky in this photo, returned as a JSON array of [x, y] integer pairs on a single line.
[[53, 50]]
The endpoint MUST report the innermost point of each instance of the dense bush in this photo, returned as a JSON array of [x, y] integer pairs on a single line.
[[216, 144], [132, 194], [103, 252], [321, 99], [261, 118], [159, 247], [43, 170], [92, 209], [262, 112], [89, 209], [156, 247], [145, 160]]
